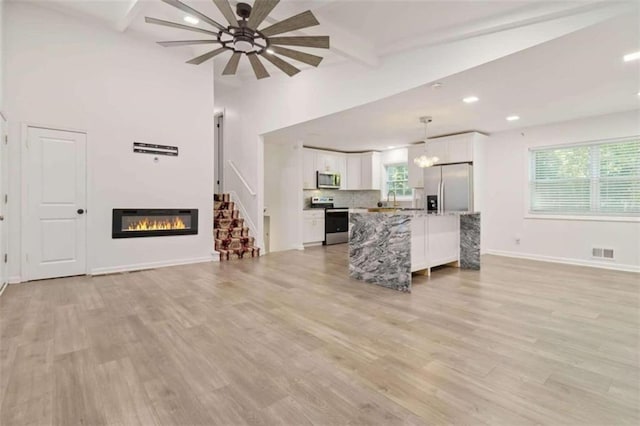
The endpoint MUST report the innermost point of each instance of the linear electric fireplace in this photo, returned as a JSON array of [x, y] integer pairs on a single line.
[[133, 223]]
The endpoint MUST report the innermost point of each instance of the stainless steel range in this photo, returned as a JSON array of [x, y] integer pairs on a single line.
[[336, 220]]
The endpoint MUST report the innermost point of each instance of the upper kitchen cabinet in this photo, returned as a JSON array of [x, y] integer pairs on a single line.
[[314, 160], [416, 175], [354, 171], [328, 161], [363, 170], [463, 148], [453, 149], [308, 169], [371, 164]]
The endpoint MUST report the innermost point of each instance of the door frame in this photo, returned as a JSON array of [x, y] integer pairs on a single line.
[[218, 148], [4, 190], [24, 193]]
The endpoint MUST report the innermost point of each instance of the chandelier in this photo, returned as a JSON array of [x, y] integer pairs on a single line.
[[424, 160]]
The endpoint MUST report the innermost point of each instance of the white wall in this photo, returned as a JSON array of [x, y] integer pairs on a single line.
[[270, 104], [66, 73], [283, 198], [2, 29], [506, 189]]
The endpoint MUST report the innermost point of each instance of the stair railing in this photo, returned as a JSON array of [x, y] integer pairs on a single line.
[[245, 198]]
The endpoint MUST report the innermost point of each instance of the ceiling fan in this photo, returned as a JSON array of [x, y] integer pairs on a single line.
[[242, 36]]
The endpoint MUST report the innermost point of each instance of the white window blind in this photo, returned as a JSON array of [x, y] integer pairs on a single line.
[[592, 179]]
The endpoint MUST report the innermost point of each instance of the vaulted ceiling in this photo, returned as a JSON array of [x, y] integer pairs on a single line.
[[579, 75], [361, 31]]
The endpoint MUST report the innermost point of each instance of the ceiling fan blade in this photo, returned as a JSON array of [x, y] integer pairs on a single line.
[[202, 58], [227, 11], [185, 42], [232, 65], [321, 42], [183, 7], [297, 22], [285, 66], [259, 69], [298, 56], [176, 25], [260, 10]]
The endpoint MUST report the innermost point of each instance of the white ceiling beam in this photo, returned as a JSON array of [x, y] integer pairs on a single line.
[[521, 17], [135, 8], [343, 42]]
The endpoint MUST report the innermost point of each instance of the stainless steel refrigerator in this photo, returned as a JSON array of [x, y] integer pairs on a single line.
[[449, 188]]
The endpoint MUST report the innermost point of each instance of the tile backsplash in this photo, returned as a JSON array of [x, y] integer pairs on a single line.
[[349, 199]]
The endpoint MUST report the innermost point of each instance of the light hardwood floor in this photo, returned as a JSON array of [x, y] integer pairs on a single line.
[[289, 339]]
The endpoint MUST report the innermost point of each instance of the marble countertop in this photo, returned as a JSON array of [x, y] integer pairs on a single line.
[[412, 212]]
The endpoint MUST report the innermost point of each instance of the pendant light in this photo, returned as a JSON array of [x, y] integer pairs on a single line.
[[424, 160]]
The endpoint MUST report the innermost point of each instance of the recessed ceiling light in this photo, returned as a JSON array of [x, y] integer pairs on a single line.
[[513, 118], [270, 51], [191, 20], [470, 99], [632, 56], [390, 147], [436, 85]]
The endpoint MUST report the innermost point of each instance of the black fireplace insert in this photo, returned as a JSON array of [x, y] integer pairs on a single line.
[[134, 223]]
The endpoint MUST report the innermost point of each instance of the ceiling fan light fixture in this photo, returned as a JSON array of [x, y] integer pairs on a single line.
[[243, 36], [242, 45]]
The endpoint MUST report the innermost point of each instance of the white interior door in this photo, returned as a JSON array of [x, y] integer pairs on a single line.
[[55, 223], [4, 237]]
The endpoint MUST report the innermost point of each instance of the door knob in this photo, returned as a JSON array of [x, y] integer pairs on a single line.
[[1, 218], [80, 211]]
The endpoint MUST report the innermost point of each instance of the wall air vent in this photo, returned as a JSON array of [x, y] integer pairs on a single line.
[[602, 253]]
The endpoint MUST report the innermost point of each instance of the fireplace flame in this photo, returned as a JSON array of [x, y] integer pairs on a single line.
[[146, 224]]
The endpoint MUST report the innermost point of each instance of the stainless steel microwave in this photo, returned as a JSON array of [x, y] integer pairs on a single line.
[[328, 180]]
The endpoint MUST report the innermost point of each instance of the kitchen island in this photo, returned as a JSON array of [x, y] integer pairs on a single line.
[[385, 248]]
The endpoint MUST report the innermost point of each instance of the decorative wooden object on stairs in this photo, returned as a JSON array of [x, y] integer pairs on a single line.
[[229, 232]]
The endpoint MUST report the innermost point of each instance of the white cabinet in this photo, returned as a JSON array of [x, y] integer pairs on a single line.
[[416, 174], [354, 171], [435, 240], [440, 149], [363, 171], [443, 239], [460, 149], [308, 169], [328, 161], [371, 166], [313, 227], [452, 149]]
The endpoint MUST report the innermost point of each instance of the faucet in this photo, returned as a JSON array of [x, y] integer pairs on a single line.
[[395, 203]]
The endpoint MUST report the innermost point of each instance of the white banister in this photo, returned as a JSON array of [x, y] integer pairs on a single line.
[[242, 179]]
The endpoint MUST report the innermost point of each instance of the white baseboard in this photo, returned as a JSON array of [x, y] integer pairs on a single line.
[[312, 244], [151, 265], [567, 261], [15, 280], [2, 287]]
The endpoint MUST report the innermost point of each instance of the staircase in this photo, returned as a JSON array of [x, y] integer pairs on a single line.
[[230, 234]]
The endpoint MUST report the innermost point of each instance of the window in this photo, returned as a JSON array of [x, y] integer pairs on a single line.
[[397, 179], [592, 179]]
